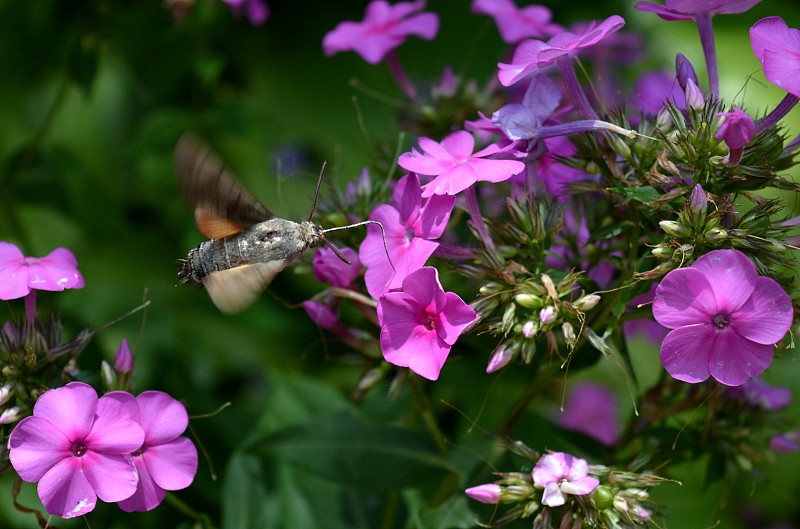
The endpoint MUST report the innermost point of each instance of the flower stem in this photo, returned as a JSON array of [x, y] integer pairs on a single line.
[[424, 408], [574, 88], [399, 74], [783, 108], [477, 219], [706, 30], [201, 519]]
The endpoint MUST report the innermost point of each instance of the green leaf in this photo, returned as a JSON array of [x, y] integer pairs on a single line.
[[245, 502], [643, 194], [453, 514]]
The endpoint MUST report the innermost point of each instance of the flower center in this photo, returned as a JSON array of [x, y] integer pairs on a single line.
[[29, 261], [721, 320], [139, 452], [430, 321], [79, 448]]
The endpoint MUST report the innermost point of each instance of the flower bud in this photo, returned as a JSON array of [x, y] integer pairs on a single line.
[[11, 415], [662, 252], [587, 302], [716, 234], [603, 497], [737, 129], [6, 392], [547, 315], [694, 96], [674, 229], [529, 329], [663, 119], [569, 332], [123, 361], [684, 70], [500, 358], [529, 301], [108, 375], [487, 493]]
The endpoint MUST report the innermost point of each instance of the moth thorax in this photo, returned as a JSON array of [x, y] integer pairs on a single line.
[[187, 271]]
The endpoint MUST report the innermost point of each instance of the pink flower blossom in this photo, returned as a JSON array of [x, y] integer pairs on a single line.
[[412, 226], [329, 268], [654, 89], [165, 460], [384, 28], [421, 323], [486, 493], [454, 165], [758, 393], [725, 319], [516, 23], [777, 47], [78, 448], [256, 11], [591, 409], [533, 55], [786, 442], [737, 130], [19, 274], [321, 314], [559, 473], [691, 9]]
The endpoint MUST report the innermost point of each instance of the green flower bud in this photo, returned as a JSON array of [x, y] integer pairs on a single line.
[[587, 302], [529, 301], [603, 497], [674, 229]]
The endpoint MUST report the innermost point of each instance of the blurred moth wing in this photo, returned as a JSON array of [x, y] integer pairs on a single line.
[[234, 289]]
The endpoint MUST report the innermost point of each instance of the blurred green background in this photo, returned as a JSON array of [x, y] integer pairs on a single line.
[[93, 96]]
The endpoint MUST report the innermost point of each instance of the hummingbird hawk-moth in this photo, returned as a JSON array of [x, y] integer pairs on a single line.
[[248, 246]]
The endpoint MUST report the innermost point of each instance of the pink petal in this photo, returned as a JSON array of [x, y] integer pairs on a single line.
[[549, 469], [424, 353], [767, 315], [113, 477], [65, 491], [731, 275], [552, 496], [162, 417], [423, 285], [423, 25], [70, 409], [685, 352], [9, 252], [451, 181], [782, 68], [662, 11], [580, 486], [397, 314], [56, 271], [455, 317], [116, 429], [434, 215], [148, 494], [684, 297], [36, 446], [406, 197], [733, 359], [496, 170], [172, 465], [13, 274], [768, 33], [459, 144]]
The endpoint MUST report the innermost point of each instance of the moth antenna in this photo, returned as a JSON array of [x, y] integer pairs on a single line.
[[316, 191], [357, 224], [339, 254]]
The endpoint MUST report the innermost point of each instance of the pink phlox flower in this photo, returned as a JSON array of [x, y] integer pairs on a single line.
[[758, 393], [737, 129], [420, 323], [691, 9], [514, 23], [532, 55], [725, 319], [654, 89], [559, 473], [321, 314], [19, 274], [78, 448], [256, 11], [519, 121], [384, 28], [454, 166], [591, 409], [165, 460], [329, 268], [785, 442], [412, 226], [777, 48], [483, 128]]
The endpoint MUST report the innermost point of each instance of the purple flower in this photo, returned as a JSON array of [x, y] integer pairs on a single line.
[[725, 319], [384, 28], [737, 130], [123, 361], [777, 47], [454, 165], [559, 473], [758, 393], [654, 89], [421, 323], [591, 409], [78, 448], [321, 314], [329, 268], [411, 227], [486, 493], [165, 460], [519, 121], [786, 442], [691, 9], [256, 11], [533, 55], [19, 274], [516, 23]]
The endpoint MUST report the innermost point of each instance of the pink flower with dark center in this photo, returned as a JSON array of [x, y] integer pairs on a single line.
[[725, 319], [329, 268], [454, 166], [559, 473], [777, 48], [737, 130], [421, 323], [412, 226], [384, 28], [78, 448], [592, 410], [532, 55], [19, 274], [165, 460], [691, 9], [515, 23]]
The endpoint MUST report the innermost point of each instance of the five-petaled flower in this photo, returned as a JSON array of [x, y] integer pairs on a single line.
[[725, 319], [78, 447], [19, 274], [454, 165], [384, 28], [421, 323], [777, 47], [559, 473]]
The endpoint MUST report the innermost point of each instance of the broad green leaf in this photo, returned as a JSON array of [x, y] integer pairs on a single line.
[[245, 501]]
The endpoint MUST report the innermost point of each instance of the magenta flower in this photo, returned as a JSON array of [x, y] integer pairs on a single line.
[[737, 130], [384, 28], [758, 393], [725, 319], [454, 165], [19, 274], [532, 55], [421, 323], [256, 11], [165, 460], [78, 448], [691, 9], [329, 268], [321, 314], [654, 89], [591, 409], [777, 47], [412, 226], [514, 23], [559, 473]]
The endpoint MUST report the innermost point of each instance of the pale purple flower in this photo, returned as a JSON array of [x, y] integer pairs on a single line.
[[653, 89], [123, 360], [725, 319], [644, 327], [486, 493], [760, 394], [786, 442], [412, 226], [321, 314], [165, 460], [691, 9], [454, 165], [695, 100], [591, 409], [256, 11], [329, 268], [737, 129], [421, 323], [777, 47], [559, 473], [532, 55], [519, 121], [19, 274], [78, 448], [385, 27], [515, 23]]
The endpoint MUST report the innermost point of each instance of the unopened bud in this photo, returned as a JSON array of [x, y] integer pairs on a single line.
[[603, 497], [11, 415], [487, 493], [587, 302], [663, 119], [529, 301], [547, 315], [123, 361], [698, 203], [674, 229], [716, 234], [619, 146], [662, 252], [684, 70], [694, 96], [108, 376], [569, 332], [6, 392], [500, 358], [529, 329]]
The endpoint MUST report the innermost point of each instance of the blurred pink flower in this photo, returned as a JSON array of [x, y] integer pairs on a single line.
[[559, 473], [725, 319], [421, 323], [78, 448], [19, 274], [515, 23], [777, 48], [329, 268], [591, 409], [256, 11], [691, 9], [384, 28]]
